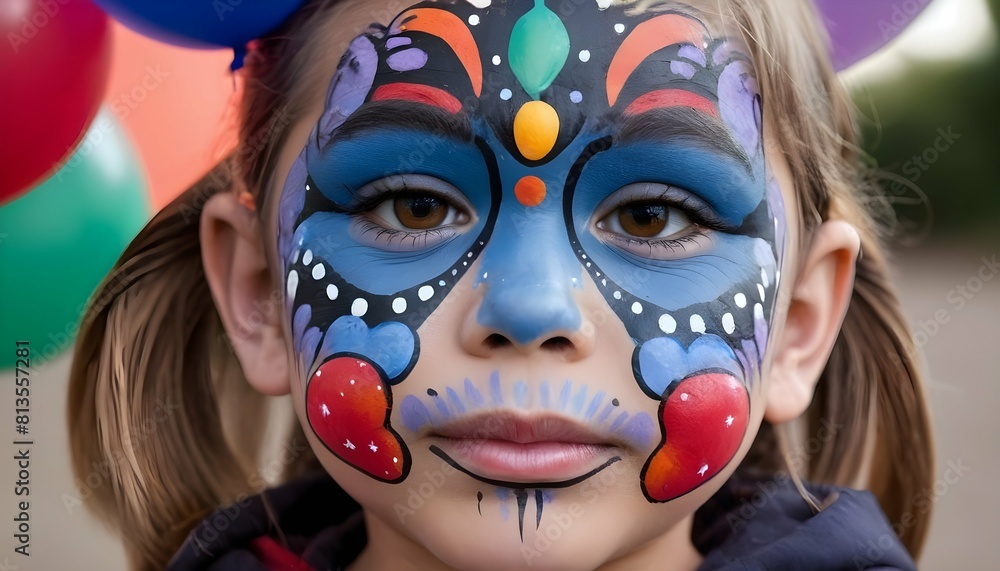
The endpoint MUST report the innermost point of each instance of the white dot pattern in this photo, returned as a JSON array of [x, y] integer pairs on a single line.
[[728, 323], [697, 324], [359, 308], [399, 305], [292, 283], [426, 292]]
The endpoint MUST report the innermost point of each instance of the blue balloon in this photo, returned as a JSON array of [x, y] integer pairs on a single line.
[[202, 23]]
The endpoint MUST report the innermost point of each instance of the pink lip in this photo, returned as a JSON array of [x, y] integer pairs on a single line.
[[519, 449]]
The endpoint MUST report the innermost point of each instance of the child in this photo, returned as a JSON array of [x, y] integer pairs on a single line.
[[568, 285]]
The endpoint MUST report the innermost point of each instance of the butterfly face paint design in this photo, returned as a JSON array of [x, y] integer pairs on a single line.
[[543, 150]]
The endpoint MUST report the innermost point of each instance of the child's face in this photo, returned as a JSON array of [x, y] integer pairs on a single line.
[[531, 261]]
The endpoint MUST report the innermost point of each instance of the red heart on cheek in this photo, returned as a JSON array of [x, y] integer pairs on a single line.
[[703, 421], [348, 404]]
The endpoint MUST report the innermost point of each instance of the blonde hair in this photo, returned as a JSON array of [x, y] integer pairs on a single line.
[[152, 337]]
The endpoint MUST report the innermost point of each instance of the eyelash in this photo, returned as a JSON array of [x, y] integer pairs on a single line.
[[700, 215], [670, 244], [366, 220], [395, 237]]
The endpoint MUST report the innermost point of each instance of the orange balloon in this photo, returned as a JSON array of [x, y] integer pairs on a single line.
[[179, 106]]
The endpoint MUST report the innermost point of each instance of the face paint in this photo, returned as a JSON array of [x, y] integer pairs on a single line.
[[488, 135]]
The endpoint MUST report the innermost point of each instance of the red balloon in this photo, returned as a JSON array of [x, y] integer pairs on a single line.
[[54, 61]]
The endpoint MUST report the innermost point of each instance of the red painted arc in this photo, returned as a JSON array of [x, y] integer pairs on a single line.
[[671, 98], [418, 93]]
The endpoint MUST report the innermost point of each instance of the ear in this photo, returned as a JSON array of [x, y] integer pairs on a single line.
[[819, 302], [250, 307]]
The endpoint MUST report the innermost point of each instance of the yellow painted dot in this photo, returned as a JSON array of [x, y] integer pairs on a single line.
[[530, 191], [536, 128]]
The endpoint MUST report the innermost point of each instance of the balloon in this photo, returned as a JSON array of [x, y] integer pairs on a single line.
[[200, 23], [859, 28], [54, 63], [58, 241], [178, 106]]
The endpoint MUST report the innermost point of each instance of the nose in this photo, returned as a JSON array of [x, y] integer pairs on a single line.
[[529, 278]]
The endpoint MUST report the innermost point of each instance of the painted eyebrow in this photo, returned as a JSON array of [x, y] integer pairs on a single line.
[[382, 115], [682, 123]]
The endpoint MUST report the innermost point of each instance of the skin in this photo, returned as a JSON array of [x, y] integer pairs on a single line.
[[447, 525]]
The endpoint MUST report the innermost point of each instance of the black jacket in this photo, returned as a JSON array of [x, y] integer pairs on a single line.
[[747, 525]]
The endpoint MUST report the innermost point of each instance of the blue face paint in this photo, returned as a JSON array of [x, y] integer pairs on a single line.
[[544, 174], [528, 296], [725, 186], [363, 258]]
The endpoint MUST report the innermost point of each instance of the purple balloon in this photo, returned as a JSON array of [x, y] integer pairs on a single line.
[[859, 28]]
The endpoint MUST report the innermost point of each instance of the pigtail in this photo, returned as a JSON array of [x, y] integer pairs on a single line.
[[152, 450], [875, 367], [868, 425], [163, 426]]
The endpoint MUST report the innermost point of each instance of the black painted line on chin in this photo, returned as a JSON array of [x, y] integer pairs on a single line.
[[538, 508], [522, 502], [521, 485]]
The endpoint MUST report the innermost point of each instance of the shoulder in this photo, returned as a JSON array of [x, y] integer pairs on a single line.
[[765, 524], [309, 523]]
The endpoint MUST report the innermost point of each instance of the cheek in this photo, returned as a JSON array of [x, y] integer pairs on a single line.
[[701, 326]]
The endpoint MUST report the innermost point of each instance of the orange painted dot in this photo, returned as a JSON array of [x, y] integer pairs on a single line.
[[530, 191], [536, 129]]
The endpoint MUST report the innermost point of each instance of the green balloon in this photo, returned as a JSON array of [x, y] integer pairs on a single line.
[[58, 242]]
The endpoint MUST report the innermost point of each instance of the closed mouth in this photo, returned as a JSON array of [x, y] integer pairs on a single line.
[[519, 451]]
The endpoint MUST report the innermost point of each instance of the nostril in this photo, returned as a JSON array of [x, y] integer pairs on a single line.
[[496, 341], [557, 344]]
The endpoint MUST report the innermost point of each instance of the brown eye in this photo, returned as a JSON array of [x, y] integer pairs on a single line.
[[643, 220], [420, 212]]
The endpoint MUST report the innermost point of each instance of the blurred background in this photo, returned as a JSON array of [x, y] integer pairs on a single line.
[[157, 117]]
